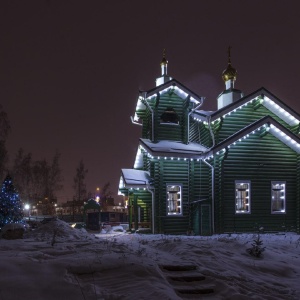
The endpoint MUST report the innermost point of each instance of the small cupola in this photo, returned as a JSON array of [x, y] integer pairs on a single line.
[[164, 71], [230, 94]]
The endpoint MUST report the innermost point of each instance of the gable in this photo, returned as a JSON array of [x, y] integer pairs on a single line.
[[263, 126], [237, 115], [181, 90], [173, 86], [260, 97], [163, 111]]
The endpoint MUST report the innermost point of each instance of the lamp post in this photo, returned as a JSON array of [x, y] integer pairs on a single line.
[[27, 207]]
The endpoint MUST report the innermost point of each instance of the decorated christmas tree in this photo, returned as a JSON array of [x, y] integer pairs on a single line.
[[10, 204]]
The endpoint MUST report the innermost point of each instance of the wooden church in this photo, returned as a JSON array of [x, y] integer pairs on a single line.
[[236, 169]]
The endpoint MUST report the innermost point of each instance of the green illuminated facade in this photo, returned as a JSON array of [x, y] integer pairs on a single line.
[[236, 169]]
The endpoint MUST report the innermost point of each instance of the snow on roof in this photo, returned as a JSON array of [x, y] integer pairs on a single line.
[[269, 100], [179, 89], [135, 178], [138, 163], [267, 124], [168, 148], [201, 115]]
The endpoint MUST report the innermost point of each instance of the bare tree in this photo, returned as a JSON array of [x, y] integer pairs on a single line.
[[4, 131], [37, 180], [4, 124], [40, 174], [22, 173], [54, 177], [3, 158], [79, 182], [105, 191]]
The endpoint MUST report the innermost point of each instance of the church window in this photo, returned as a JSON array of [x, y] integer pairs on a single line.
[[174, 199], [278, 198], [169, 116], [242, 197]]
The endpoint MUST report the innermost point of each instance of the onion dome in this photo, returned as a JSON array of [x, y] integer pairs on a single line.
[[230, 72]]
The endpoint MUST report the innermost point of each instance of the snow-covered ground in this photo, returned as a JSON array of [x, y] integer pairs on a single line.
[[57, 262]]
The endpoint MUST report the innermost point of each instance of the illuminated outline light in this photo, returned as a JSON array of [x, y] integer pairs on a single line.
[[274, 131], [269, 104], [282, 113], [179, 92]]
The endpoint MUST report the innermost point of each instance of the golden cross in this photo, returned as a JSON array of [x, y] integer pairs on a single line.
[[229, 57]]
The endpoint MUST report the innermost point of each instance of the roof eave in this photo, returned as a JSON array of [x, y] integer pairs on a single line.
[[172, 82], [260, 92], [171, 154], [249, 129]]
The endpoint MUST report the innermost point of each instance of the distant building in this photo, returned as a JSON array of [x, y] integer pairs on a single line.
[[236, 169], [45, 206], [74, 211]]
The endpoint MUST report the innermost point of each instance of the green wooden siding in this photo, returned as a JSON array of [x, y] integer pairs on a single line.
[[260, 160], [159, 104], [298, 196], [201, 194], [140, 207], [171, 172], [241, 118], [194, 177], [167, 131], [199, 133]]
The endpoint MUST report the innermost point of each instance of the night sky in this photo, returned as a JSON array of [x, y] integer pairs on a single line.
[[70, 71]]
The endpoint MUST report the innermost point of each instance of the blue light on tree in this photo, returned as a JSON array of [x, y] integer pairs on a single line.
[[10, 204]]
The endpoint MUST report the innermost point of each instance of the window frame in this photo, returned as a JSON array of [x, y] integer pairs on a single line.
[[169, 109], [175, 214], [242, 212], [278, 182]]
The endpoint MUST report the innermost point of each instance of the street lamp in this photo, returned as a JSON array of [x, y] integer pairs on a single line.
[[27, 207]]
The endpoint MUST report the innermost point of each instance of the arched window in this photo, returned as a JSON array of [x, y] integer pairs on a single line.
[[169, 116]]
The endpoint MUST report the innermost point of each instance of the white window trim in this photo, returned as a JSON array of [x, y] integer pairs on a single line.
[[238, 212], [167, 201], [284, 199]]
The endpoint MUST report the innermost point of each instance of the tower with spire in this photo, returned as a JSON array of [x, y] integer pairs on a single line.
[[230, 94], [164, 71]]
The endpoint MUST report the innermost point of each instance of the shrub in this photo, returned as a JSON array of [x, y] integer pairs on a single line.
[[256, 249]]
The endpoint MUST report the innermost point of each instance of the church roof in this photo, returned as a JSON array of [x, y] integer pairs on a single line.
[[269, 100], [181, 89], [176, 148], [135, 178], [265, 124]]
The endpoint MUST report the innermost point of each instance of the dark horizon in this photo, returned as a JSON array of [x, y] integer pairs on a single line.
[[70, 71]]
